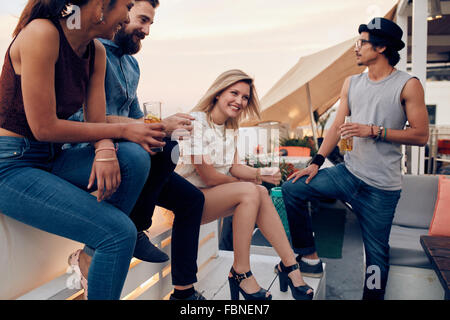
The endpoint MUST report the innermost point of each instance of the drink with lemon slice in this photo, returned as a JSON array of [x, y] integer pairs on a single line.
[[151, 119], [346, 143], [152, 114]]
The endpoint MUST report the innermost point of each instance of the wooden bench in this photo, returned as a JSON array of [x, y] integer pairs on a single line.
[[437, 250]]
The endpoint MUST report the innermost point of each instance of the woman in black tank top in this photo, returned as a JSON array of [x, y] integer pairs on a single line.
[[52, 68]]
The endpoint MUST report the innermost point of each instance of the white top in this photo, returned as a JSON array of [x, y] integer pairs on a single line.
[[206, 140]]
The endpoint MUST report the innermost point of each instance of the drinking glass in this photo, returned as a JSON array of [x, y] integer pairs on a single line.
[[152, 114], [347, 143]]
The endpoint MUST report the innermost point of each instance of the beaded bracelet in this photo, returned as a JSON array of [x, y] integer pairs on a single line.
[[372, 135]]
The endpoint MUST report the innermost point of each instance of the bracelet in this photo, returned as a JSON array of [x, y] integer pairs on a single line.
[[318, 160], [106, 148], [373, 134], [258, 175], [379, 134], [106, 159], [385, 132], [115, 146]]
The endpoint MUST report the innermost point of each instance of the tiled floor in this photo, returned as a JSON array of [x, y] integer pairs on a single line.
[[345, 276], [213, 282]]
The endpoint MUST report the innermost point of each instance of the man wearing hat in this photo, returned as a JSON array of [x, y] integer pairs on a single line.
[[379, 103]]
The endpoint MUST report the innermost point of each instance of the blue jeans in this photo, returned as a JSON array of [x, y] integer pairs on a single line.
[[46, 188], [169, 190], [374, 208]]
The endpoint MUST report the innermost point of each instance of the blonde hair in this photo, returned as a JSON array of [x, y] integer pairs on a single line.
[[222, 83]]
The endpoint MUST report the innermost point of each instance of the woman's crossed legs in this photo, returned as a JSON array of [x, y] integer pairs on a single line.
[[249, 204]]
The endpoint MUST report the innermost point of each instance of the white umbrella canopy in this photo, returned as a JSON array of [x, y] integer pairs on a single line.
[[322, 74]]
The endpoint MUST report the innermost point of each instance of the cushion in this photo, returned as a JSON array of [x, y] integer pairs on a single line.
[[417, 201], [405, 247], [440, 225]]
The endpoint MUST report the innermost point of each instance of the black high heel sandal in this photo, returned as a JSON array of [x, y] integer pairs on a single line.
[[235, 288], [299, 293]]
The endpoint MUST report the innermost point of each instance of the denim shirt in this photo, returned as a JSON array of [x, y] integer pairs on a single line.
[[121, 82]]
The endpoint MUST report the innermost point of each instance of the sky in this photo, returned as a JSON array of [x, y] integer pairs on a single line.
[[192, 42]]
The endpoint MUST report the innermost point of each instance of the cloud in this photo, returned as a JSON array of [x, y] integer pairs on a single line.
[[192, 42], [7, 25], [12, 7], [198, 18]]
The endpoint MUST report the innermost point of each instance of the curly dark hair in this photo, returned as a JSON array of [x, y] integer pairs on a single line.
[[391, 54]]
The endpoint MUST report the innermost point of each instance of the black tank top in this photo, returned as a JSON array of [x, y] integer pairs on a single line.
[[72, 75]]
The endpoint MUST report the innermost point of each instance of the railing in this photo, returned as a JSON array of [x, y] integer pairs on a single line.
[[437, 150]]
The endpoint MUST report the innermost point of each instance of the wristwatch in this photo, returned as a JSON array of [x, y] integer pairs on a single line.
[[380, 131]]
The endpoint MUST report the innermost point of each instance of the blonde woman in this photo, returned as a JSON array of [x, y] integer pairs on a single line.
[[210, 162]]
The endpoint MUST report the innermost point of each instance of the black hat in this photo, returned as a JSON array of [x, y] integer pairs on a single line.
[[385, 29]]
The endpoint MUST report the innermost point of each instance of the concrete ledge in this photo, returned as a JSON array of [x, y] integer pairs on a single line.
[[145, 281]]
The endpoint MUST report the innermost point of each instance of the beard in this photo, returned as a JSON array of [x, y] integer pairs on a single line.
[[126, 42]]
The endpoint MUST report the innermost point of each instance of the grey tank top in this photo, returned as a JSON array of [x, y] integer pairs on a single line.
[[377, 163]]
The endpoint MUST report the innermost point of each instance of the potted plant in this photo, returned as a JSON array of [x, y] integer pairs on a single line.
[[297, 147]]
